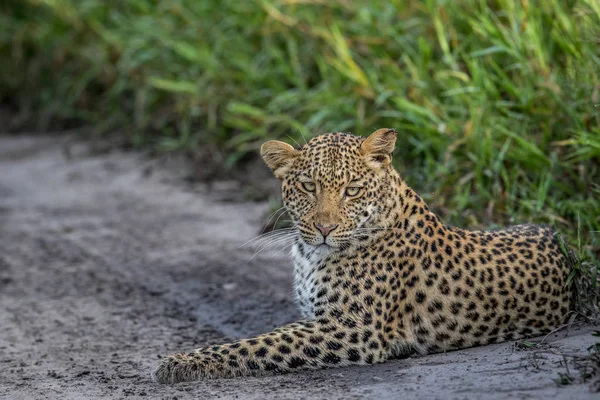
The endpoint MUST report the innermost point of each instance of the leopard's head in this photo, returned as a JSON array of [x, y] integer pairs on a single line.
[[337, 187]]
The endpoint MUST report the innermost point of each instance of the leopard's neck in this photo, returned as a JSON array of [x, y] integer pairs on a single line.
[[307, 262]]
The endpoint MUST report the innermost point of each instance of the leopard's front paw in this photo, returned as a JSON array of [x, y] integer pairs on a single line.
[[178, 368]]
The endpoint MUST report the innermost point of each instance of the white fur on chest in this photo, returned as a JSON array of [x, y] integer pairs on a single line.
[[306, 265]]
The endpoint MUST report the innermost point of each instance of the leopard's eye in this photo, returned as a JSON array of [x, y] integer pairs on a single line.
[[353, 191], [309, 186]]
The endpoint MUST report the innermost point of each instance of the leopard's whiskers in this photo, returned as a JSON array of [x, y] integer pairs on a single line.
[[268, 235], [284, 239], [271, 216]]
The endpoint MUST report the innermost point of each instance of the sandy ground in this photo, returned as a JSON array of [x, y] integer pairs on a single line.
[[105, 267]]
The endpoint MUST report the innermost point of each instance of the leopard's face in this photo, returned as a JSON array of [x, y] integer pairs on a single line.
[[332, 189]]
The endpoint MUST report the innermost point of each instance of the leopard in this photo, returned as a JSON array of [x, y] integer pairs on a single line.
[[378, 276]]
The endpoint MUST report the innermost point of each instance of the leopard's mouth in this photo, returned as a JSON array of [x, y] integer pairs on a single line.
[[342, 241], [330, 246], [323, 245]]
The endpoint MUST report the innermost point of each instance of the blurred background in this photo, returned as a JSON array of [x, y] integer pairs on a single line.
[[497, 102]]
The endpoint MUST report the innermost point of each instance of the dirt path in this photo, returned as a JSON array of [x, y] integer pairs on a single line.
[[104, 268]]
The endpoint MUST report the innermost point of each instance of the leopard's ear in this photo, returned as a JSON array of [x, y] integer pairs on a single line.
[[279, 156], [378, 147]]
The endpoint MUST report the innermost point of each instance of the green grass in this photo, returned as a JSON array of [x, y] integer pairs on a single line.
[[497, 102]]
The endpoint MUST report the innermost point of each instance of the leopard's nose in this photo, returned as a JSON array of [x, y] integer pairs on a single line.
[[325, 229]]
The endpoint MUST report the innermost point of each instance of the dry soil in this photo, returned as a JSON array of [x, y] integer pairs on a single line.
[[108, 262]]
